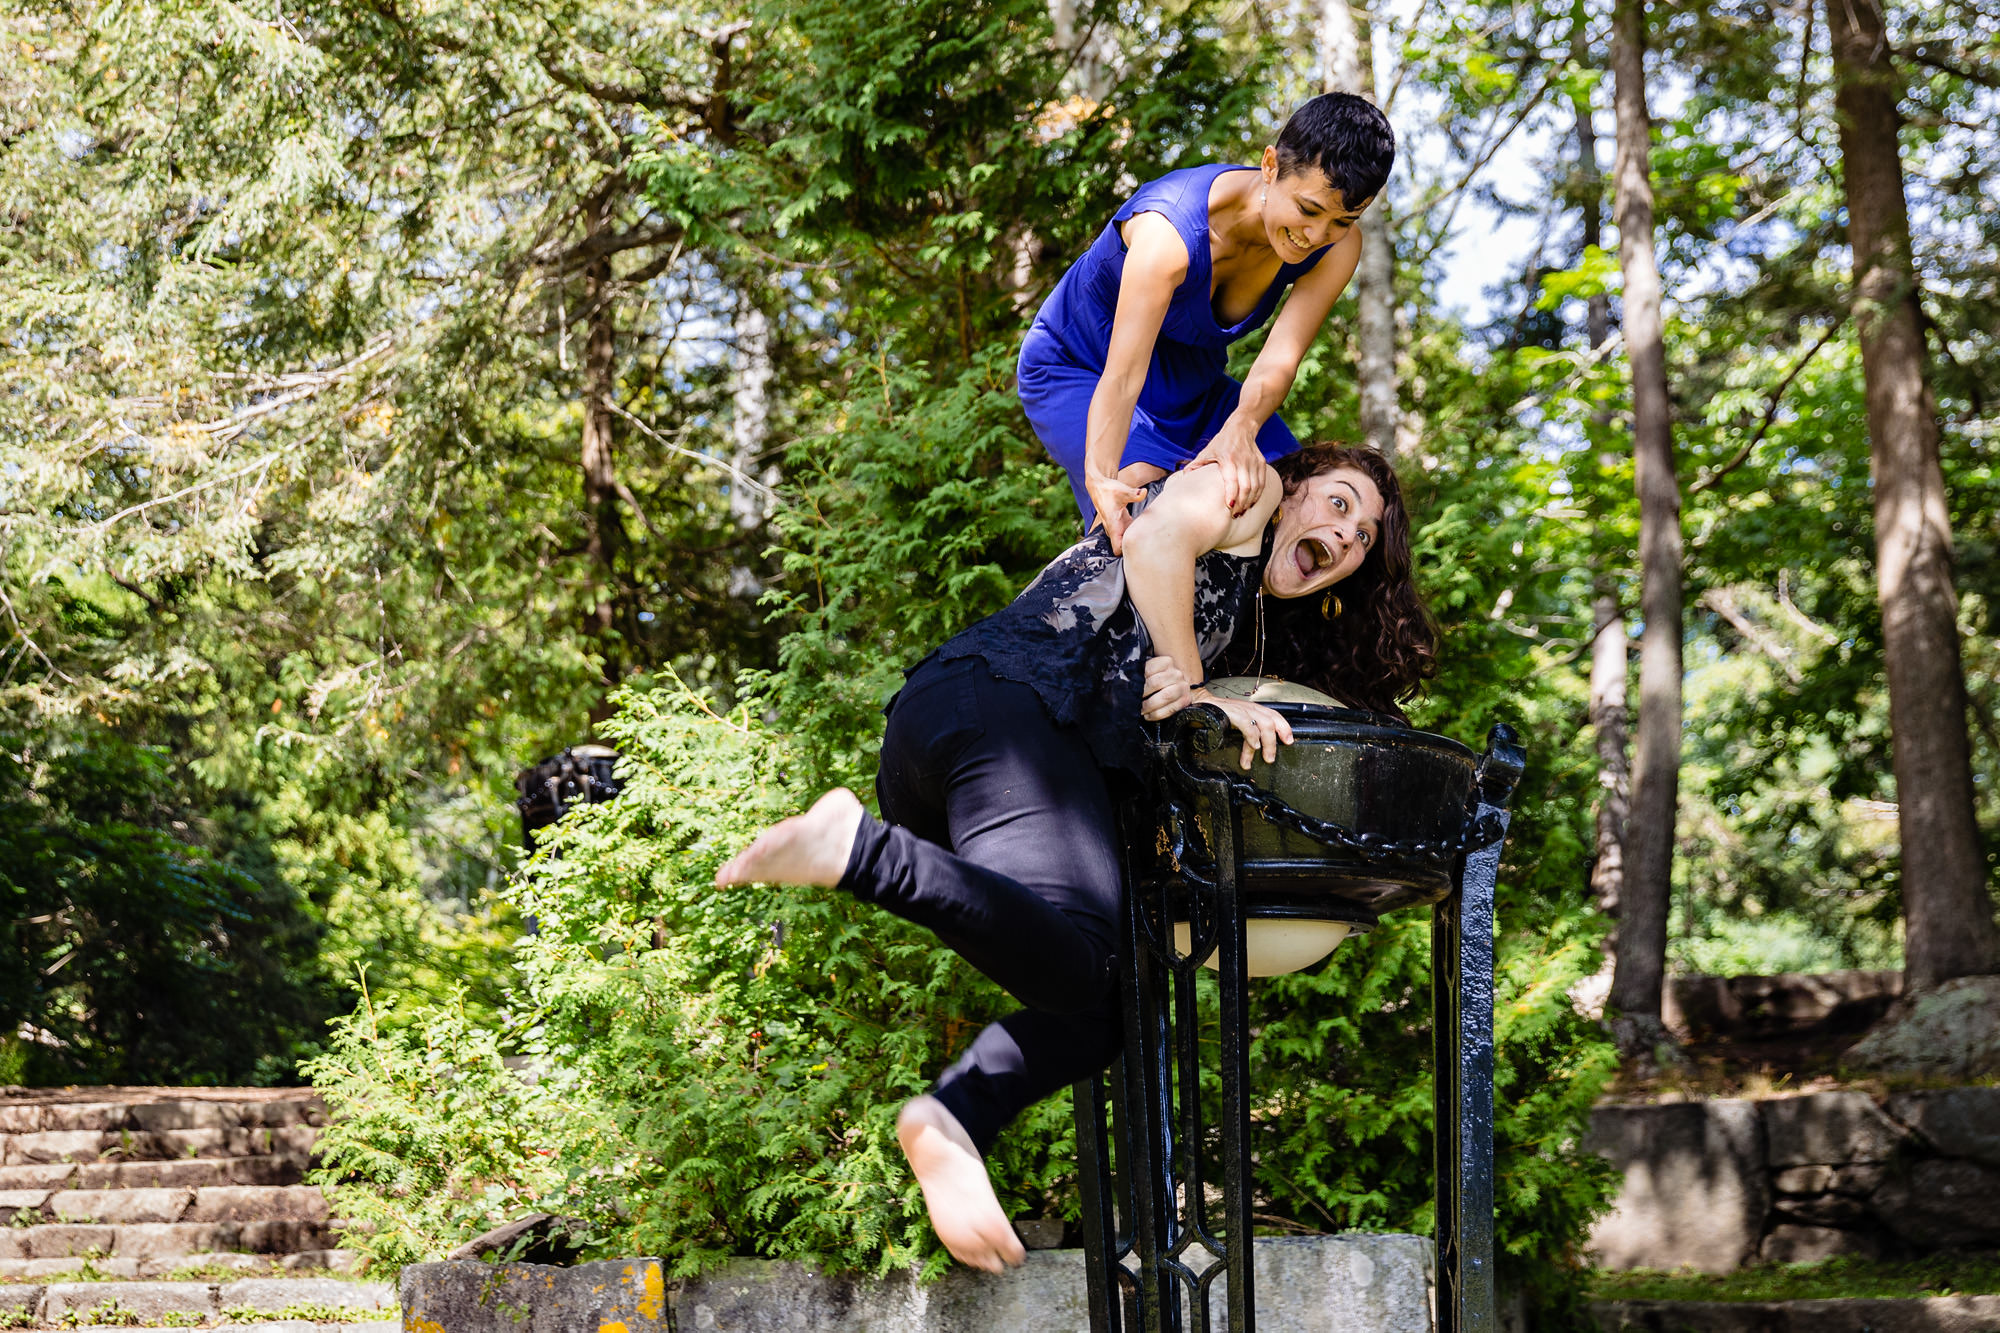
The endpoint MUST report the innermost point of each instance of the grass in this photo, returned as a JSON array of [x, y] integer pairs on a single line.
[[1967, 1274], [193, 1272]]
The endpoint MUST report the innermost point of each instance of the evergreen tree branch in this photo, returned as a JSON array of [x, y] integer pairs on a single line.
[[1928, 57], [1742, 455], [655, 99]]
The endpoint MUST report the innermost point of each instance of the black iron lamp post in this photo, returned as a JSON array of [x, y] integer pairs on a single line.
[[580, 775], [1261, 873]]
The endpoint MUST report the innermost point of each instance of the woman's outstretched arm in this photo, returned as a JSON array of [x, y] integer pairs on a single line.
[[1234, 447], [1187, 520], [1156, 259]]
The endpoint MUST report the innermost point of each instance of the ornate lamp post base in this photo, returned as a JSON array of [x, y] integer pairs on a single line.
[[1401, 818]]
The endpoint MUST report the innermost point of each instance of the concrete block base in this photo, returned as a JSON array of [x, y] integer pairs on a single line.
[[466, 1296], [1325, 1284]]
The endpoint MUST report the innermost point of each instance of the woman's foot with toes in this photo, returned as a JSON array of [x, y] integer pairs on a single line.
[[964, 1212], [811, 848]]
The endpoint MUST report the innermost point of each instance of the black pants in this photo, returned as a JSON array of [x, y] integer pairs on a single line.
[[1000, 838]]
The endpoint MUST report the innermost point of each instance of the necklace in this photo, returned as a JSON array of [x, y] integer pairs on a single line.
[[1257, 663]]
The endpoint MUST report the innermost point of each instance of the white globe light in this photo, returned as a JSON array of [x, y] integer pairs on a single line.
[[1275, 945]]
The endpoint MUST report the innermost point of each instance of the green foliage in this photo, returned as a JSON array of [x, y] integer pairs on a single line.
[[133, 953], [433, 1139], [1846, 1278], [927, 506], [715, 1072], [294, 317]]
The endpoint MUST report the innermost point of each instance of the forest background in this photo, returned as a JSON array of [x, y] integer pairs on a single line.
[[399, 392]]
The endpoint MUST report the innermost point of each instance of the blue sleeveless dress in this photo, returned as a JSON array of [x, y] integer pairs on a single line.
[[1187, 395]]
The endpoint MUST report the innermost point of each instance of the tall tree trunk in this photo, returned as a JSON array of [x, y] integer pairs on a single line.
[[1590, 181], [1608, 675], [1947, 917], [1649, 840], [1614, 776], [1090, 75], [749, 423], [1346, 59], [603, 524]]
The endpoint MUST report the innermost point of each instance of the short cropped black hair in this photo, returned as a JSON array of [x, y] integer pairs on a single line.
[[1345, 136]]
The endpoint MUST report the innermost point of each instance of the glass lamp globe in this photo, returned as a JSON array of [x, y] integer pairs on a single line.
[[1274, 945]]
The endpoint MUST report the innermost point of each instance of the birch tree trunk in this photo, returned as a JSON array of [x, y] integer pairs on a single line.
[[1608, 676], [1346, 59], [749, 424], [1947, 916], [1649, 841], [1089, 73], [603, 524]]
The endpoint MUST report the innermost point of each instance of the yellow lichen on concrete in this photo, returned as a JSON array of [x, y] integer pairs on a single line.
[[616, 1326], [416, 1323], [653, 1300]]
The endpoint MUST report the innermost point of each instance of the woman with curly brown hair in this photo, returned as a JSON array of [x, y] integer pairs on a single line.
[[1002, 752]]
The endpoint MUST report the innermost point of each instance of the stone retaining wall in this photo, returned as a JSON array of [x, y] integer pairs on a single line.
[[1717, 1184], [1326, 1284], [1938, 1314]]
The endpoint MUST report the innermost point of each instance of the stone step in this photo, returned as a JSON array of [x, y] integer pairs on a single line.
[[216, 1203], [163, 1240], [363, 1322], [208, 1266], [160, 1114], [154, 1304], [181, 1173], [54, 1146]]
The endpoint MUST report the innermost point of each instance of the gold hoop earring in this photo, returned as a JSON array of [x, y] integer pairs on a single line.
[[1330, 607]]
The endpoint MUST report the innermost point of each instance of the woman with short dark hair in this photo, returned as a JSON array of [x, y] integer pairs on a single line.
[[1004, 749], [1122, 373]]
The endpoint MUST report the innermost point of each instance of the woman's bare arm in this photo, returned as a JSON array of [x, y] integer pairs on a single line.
[[1188, 520], [1156, 260], [1234, 447]]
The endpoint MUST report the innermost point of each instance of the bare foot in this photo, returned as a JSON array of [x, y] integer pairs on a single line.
[[811, 848], [964, 1212]]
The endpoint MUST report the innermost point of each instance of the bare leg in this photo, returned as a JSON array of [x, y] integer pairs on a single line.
[[811, 848], [964, 1212]]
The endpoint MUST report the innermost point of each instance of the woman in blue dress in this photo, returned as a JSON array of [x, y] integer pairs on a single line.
[[1122, 373]]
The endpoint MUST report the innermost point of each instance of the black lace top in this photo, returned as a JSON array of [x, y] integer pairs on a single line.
[[1074, 637]]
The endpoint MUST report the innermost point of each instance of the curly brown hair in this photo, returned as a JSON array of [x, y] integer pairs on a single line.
[[1383, 645]]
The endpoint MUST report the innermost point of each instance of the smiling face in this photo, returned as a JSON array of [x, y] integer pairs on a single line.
[[1303, 211], [1325, 530]]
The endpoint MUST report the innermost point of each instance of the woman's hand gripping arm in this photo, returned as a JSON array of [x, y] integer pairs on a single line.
[[1188, 520], [1156, 259]]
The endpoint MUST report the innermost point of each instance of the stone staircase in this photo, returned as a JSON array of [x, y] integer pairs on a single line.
[[135, 1207]]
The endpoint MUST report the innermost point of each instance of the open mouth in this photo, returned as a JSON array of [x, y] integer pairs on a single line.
[[1292, 238], [1312, 555]]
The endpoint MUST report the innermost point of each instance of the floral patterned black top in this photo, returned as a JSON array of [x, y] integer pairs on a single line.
[[1075, 639]]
